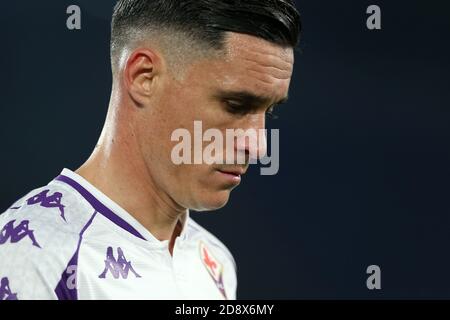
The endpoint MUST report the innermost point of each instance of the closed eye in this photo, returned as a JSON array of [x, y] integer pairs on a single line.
[[237, 108], [244, 103]]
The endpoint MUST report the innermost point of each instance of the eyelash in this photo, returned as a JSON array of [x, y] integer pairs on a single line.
[[235, 108]]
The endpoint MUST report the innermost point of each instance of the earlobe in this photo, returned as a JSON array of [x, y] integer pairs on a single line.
[[140, 74]]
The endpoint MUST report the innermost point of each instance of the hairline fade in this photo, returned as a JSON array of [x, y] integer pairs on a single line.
[[184, 29]]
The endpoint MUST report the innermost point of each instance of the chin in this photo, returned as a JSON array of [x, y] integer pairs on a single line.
[[212, 201]]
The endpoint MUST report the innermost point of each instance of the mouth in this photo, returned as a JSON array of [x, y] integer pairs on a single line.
[[235, 172], [233, 176]]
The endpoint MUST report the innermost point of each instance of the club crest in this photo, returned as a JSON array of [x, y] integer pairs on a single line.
[[214, 267]]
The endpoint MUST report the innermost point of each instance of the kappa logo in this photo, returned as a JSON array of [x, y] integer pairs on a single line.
[[48, 201], [16, 234], [119, 267], [5, 291], [214, 267]]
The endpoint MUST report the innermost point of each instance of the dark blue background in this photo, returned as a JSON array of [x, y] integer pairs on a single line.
[[364, 175]]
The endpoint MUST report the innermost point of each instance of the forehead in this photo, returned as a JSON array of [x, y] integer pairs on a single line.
[[257, 51], [251, 64]]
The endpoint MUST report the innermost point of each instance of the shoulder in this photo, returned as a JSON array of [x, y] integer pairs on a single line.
[[56, 207], [46, 217], [200, 233], [39, 234]]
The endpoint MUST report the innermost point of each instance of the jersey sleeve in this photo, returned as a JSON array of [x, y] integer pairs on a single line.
[[38, 240]]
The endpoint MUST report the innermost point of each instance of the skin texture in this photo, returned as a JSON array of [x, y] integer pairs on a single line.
[[132, 161]]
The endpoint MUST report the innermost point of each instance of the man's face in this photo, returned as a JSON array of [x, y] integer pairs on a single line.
[[221, 93]]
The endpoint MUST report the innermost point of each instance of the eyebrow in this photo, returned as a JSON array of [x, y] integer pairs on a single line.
[[247, 98]]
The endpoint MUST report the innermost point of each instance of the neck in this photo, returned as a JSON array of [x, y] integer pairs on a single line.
[[117, 169]]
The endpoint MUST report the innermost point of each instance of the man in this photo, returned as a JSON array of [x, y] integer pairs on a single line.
[[119, 226]]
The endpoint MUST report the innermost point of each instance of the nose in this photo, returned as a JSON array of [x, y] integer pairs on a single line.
[[251, 140]]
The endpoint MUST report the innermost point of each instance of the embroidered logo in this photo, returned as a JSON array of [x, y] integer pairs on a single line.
[[5, 291], [48, 201], [16, 234], [119, 267]]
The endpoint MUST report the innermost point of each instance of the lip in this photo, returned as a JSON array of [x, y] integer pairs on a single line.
[[235, 172], [232, 176]]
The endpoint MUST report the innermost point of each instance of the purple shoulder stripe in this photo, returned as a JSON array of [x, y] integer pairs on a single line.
[[99, 207], [67, 285]]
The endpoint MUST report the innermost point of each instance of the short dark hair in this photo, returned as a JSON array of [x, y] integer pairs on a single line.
[[207, 21]]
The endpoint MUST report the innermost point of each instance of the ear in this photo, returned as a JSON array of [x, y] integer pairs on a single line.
[[140, 74]]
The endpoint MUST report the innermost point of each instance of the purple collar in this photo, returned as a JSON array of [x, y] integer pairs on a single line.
[[99, 207]]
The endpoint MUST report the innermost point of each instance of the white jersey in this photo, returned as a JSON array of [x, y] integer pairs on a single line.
[[68, 240]]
